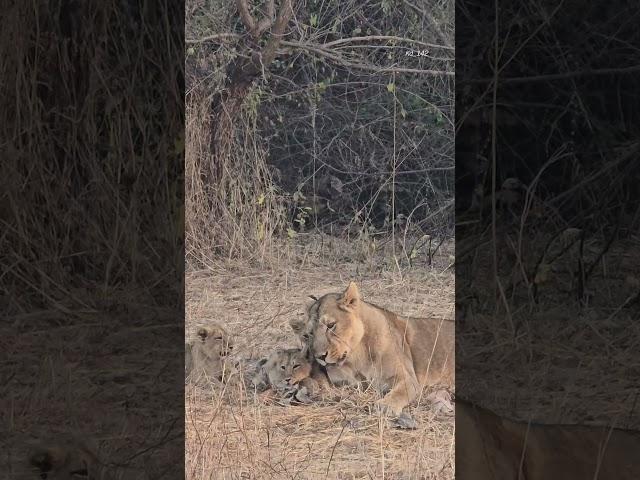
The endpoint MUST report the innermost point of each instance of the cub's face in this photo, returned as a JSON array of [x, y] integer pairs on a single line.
[[287, 367], [214, 341], [338, 329], [303, 325]]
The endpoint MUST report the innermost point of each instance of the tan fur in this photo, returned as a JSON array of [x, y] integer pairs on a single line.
[[490, 447], [303, 327], [284, 370], [206, 355], [399, 355]]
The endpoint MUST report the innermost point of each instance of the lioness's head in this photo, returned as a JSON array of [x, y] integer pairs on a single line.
[[215, 340], [338, 328], [286, 367]]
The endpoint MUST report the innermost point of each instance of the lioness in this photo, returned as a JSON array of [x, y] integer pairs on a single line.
[[490, 447], [286, 371], [396, 354], [206, 355], [303, 327]]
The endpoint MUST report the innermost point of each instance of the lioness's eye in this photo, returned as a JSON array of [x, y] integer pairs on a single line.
[[282, 367], [331, 325], [217, 338], [296, 366]]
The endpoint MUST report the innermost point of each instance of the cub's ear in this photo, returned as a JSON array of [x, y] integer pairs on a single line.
[[296, 324], [351, 296], [262, 361], [313, 297]]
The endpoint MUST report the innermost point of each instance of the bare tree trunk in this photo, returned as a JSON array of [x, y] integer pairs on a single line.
[[225, 106]]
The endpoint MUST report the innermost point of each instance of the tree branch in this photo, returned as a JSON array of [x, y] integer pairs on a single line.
[[215, 37], [245, 15], [284, 15], [320, 50], [386, 37], [266, 23], [559, 76]]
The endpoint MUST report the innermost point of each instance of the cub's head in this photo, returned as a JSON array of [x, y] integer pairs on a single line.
[[286, 367], [303, 325], [338, 328], [57, 462], [214, 340]]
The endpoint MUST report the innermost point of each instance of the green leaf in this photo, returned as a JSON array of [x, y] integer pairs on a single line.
[[191, 51], [391, 87], [261, 199], [291, 232], [314, 20], [356, 31]]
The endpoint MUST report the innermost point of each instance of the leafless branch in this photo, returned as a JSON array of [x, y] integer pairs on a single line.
[[213, 38], [245, 15], [324, 52], [385, 37], [560, 76], [266, 23]]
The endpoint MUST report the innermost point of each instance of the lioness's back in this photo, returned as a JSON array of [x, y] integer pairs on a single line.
[[489, 446], [432, 344]]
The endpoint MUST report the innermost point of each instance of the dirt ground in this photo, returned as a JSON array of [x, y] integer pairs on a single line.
[[230, 434]]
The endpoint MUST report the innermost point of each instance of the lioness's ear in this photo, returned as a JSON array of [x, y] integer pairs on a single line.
[[351, 295]]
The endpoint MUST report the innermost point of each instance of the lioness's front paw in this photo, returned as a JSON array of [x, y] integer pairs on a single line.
[[388, 408], [404, 421]]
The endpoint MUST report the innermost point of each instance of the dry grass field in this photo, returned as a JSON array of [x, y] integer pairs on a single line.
[[88, 375], [559, 359], [231, 434]]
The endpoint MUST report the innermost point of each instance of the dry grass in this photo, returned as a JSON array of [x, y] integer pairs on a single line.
[[90, 202], [85, 375], [231, 434], [567, 362]]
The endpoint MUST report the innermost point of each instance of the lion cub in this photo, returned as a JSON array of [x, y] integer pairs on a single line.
[[287, 372], [206, 355]]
